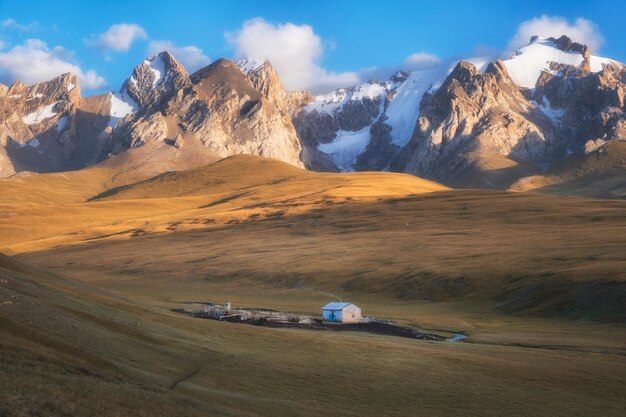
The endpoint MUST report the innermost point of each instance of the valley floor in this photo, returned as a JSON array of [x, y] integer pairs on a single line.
[[119, 350]]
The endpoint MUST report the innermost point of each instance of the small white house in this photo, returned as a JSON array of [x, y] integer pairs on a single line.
[[341, 312]]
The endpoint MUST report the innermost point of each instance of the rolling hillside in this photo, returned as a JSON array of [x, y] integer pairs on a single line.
[[262, 222]]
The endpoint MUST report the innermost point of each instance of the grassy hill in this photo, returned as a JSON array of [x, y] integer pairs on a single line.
[[602, 174]]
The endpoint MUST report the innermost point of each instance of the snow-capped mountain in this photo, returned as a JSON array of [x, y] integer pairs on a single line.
[[369, 126], [482, 121], [338, 124]]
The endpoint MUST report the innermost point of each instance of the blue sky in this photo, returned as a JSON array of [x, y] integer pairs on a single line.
[[338, 39]]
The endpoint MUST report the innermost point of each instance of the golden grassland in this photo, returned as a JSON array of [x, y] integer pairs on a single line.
[[267, 223], [72, 348], [86, 326]]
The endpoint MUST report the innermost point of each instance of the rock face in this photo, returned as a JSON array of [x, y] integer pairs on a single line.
[[476, 129], [590, 105], [38, 125], [266, 81]]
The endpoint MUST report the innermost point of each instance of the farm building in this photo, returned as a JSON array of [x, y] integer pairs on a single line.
[[341, 312]]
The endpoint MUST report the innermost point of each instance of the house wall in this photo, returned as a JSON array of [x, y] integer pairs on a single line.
[[350, 314], [328, 315]]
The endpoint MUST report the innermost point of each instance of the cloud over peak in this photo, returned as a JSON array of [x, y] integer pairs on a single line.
[[582, 30], [421, 61], [294, 50]]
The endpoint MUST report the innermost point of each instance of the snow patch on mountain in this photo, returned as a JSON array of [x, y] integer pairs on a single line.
[[157, 66], [526, 66], [61, 123], [40, 114], [335, 100], [346, 147], [598, 63], [121, 105], [404, 108], [527, 63], [554, 114]]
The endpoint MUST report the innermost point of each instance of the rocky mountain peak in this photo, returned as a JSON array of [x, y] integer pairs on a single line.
[[63, 87], [216, 110], [16, 86], [399, 77], [222, 63], [265, 79], [250, 64], [35, 119], [155, 79], [221, 77], [565, 44], [463, 72]]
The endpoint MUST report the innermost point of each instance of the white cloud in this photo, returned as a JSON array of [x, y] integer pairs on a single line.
[[582, 30], [421, 61], [118, 37], [295, 52], [34, 61], [14, 24], [190, 56]]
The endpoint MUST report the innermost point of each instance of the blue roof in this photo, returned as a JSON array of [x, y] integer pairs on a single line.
[[336, 306]]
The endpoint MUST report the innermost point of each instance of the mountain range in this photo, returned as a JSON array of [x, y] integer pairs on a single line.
[[549, 116]]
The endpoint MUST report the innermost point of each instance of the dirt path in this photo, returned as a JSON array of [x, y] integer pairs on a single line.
[[186, 377]]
